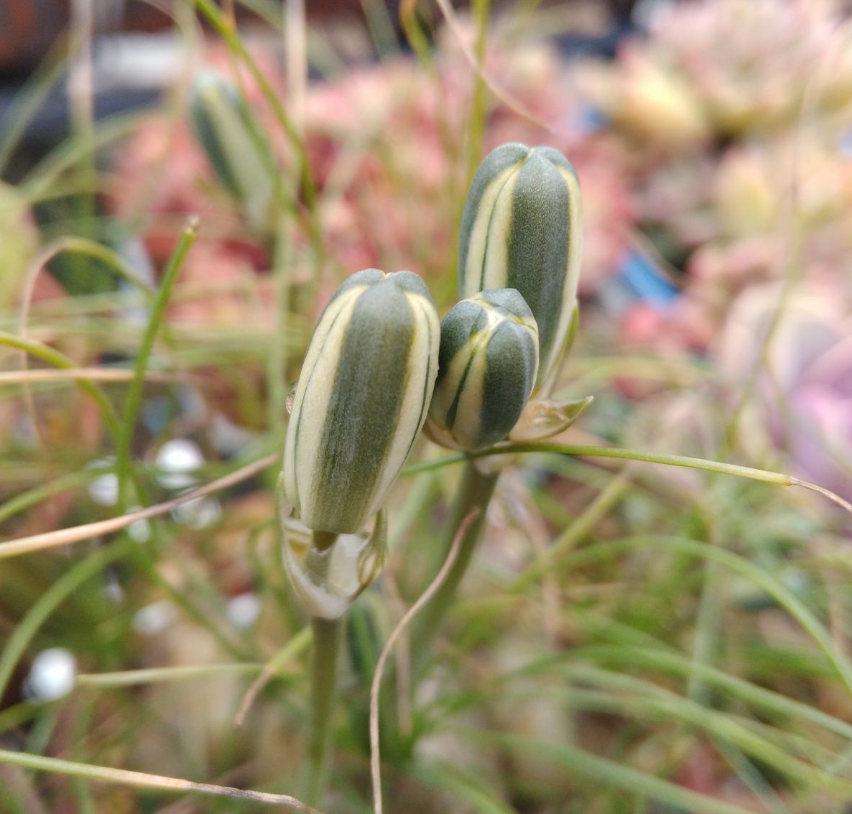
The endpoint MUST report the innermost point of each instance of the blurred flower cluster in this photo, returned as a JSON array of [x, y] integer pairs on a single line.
[[736, 151], [728, 70], [735, 146], [805, 383]]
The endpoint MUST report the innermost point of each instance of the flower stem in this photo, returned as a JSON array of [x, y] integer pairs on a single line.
[[474, 493], [327, 636]]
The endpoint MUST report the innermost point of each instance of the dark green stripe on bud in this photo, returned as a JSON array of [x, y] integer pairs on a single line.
[[361, 399], [486, 370], [223, 126], [521, 229]]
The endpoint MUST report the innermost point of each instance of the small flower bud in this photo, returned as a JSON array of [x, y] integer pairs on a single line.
[[361, 400], [521, 229], [221, 122], [486, 370]]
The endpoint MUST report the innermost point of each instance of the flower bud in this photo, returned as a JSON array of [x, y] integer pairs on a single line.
[[521, 229], [361, 399], [486, 370], [222, 124]]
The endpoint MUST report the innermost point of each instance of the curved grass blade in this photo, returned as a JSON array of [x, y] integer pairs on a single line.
[[784, 597], [148, 781]]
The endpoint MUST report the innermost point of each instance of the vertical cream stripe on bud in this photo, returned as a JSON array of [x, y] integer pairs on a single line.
[[243, 165], [361, 399], [521, 229], [486, 370]]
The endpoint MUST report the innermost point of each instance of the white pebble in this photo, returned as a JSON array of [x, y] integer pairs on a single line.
[[154, 618], [139, 531], [104, 489], [52, 674], [175, 460], [244, 609], [198, 513]]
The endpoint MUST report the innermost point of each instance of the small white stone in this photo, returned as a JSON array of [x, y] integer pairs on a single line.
[[114, 591], [52, 674], [104, 489], [139, 531], [244, 609], [175, 460], [198, 513], [154, 618]]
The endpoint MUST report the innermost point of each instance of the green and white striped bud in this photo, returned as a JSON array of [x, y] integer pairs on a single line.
[[361, 399], [222, 124], [521, 228], [486, 370]]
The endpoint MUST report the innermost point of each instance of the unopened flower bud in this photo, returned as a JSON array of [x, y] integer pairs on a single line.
[[486, 370], [521, 229], [361, 399], [222, 124]]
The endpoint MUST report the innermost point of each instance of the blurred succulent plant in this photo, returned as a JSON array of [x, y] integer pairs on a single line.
[[745, 201], [702, 71], [646, 100], [805, 382]]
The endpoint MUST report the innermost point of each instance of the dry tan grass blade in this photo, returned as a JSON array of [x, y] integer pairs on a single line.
[[75, 534], [150, 781], [98, 374]]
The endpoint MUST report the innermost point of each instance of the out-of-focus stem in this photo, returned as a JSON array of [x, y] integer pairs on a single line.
[[327, 636], [480, 91], [475, 493]]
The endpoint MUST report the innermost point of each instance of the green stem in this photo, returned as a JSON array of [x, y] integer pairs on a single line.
[[480, 91], [154, 675], [610, 452], [327, 637], [124, 442], [474, 493]]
